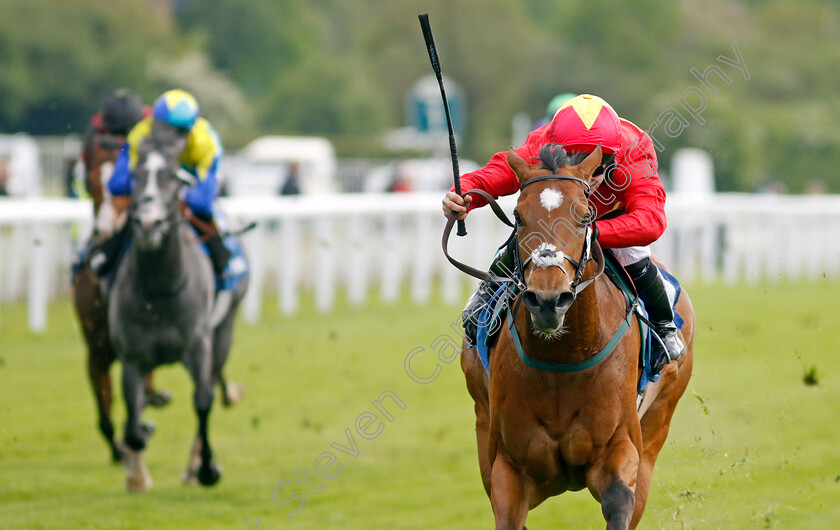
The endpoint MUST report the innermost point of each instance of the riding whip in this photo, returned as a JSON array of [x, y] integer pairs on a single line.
[[433, 57]]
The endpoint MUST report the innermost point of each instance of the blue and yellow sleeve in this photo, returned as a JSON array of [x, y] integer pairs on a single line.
[[201, 157], [121, 182]]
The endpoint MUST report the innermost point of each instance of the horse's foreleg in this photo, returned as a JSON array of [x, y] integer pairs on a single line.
[[99, 372], [612, 483], [508, 494], [136, 434], [94, 323], [617, 503], [201, 370]]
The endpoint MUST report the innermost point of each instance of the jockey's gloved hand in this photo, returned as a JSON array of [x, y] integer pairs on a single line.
[[595, 232]]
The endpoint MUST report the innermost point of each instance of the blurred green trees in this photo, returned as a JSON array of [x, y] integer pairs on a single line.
[[343, 69]]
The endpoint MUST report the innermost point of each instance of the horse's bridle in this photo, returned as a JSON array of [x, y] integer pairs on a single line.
[[590, 246], [590, 242], [182, 175]]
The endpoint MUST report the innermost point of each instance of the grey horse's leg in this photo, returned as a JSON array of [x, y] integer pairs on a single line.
[[200, 366], [136, 434]]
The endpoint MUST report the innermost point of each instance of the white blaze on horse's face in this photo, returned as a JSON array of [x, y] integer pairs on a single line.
[[551, 199], [154, 165], [151, 212]]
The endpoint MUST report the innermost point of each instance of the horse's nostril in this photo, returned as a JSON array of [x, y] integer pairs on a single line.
[[559, 302], [531, 300], [564, 301]]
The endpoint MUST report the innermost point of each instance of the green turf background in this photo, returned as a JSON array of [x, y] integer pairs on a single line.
[[751, 445]]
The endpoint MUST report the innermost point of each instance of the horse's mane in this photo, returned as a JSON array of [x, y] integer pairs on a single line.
[[553, 157]]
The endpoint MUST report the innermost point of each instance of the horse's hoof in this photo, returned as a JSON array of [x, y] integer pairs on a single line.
[[140, 484], [118, 453], [158, 398], [137, 478], [209, 475], [189, 478], [233, 394]]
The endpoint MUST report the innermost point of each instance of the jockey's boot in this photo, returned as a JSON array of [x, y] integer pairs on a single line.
[[218, 252], [471, 315], [104, 256], [502, 265], [650, 285]]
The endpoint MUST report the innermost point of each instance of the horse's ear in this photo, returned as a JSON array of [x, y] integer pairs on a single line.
[[594, 182], [591, 163], [518, 165]]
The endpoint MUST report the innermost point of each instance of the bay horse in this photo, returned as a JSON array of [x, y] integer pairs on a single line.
[[542, 432], [161, 307], [89, 301]]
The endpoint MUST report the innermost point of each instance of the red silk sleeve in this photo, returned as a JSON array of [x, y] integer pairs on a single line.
[[636, 188], [496, 177]]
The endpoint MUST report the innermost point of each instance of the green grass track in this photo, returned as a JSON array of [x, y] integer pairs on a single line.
[[751, 445]]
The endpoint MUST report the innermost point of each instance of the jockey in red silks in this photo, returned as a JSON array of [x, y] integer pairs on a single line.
[[629, 206]]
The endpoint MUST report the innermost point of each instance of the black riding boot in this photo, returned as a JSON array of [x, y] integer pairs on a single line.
[[219, 253], [650, 285], [502, 265], [104, 256]]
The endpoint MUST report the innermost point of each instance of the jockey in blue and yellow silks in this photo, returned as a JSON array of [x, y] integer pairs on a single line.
[[200, 157]]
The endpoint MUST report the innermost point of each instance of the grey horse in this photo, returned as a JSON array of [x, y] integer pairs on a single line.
[[162, 306]]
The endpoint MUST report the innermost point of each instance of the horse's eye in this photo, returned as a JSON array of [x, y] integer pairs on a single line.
[[587, 218], [517, 219]]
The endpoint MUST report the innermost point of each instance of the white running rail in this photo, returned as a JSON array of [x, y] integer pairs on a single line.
[[357, 244]]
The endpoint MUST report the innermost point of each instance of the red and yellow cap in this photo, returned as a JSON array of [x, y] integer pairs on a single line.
[[585, 121]]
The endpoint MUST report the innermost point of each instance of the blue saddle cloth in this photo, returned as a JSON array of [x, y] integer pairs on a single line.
[[237, 266], [489, 322]]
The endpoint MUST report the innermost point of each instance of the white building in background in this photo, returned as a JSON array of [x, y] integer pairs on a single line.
[[20, 155], [263, 166]]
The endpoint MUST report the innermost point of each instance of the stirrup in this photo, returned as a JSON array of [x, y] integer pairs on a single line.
[[674, 347]]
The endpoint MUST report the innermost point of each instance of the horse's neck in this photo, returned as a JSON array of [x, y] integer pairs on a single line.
[[163, 271]]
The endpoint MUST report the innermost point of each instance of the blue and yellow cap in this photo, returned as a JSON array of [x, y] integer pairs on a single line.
[[176, 107]]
